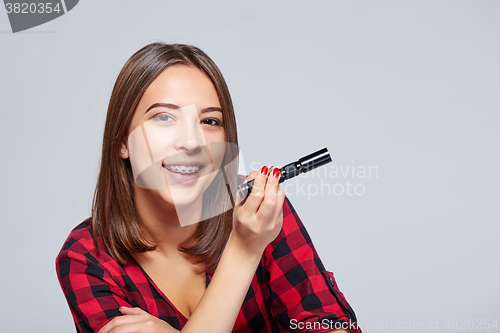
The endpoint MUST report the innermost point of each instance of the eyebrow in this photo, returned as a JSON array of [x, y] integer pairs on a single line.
[[173, 107]]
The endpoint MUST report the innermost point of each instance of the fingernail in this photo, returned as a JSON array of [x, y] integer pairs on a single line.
[[264, 170], [276, 173]]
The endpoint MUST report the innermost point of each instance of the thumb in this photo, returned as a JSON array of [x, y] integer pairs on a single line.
[[131, 311]]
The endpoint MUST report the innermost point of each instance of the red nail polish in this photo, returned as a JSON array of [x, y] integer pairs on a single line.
[[276, 173], [264, 170]]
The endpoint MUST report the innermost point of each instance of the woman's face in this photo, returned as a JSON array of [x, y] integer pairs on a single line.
[[176, 138]]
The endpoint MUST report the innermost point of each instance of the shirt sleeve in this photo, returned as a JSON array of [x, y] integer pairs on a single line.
[[303, 296], [93, 296]]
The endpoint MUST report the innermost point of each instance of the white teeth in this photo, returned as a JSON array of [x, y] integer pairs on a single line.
[[183, 168]]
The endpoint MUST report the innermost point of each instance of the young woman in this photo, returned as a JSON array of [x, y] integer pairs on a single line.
[[168, 246]]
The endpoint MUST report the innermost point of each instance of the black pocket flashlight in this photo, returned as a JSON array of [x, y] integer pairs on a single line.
[[304, 164]]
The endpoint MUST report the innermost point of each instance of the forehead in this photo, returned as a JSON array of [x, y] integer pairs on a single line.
[[181, 85]]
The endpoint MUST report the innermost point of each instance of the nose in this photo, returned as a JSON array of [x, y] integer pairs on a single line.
[[189, 137]]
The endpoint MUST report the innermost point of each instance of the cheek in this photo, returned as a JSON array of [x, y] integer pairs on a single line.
[[159, 140], [220, 149], [215, 135], [217, 146], [148, 146]]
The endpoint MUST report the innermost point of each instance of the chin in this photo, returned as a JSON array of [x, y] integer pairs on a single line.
[[189, 190]]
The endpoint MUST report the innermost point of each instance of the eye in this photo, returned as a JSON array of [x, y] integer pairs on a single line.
[[211, 122], [163, 117]]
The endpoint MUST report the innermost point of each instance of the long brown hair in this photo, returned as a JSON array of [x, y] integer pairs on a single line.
[[113, 212]]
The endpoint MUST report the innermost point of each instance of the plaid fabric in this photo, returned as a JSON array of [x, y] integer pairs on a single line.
[[290, 292]]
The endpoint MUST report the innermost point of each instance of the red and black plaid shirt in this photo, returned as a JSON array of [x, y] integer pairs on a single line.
[[290, 292]]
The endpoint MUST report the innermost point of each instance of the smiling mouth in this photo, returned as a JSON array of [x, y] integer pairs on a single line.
[[183, 169]]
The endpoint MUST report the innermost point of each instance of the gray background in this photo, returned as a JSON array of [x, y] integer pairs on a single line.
[[411, 87]]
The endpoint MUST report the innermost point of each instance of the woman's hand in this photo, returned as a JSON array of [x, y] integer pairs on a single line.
[[136, 320], [257, 220]]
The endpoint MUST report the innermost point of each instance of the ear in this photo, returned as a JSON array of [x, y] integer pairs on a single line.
[[123, 151]]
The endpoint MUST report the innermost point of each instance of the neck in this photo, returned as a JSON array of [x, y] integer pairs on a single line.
[[166, 225]]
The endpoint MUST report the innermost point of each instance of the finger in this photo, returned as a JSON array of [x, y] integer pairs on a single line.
[[240, 199], [277, 224], [278, 217], [251, 176], [279, 205], [267, 210], [273, 181], [258, 191], [131, 311]]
